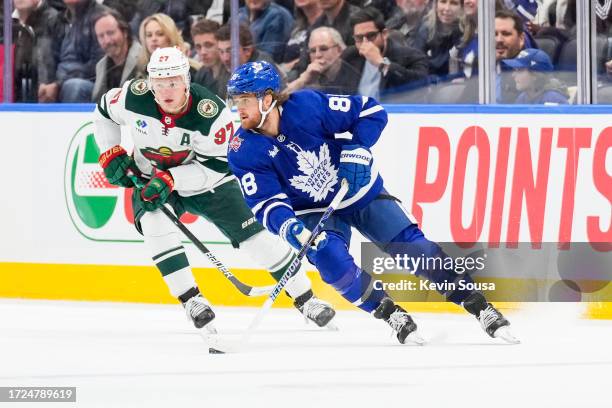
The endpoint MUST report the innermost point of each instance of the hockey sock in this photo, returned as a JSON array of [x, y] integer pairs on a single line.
[[276, 256], [167, 252]]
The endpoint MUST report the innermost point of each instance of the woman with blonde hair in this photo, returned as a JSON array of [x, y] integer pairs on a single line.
[[157, 31], [439, 33]]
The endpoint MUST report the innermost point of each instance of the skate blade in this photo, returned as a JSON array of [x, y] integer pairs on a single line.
[[415, 338], [506, 335], [215, 345], [331, 326]]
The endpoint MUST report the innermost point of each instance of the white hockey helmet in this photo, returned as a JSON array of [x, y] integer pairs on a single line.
[[168, 62]]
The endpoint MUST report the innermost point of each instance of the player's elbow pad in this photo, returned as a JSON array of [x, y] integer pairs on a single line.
[[106, 132]]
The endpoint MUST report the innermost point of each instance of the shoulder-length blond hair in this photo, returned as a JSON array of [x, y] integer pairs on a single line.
[[170, 30], [434, 25]]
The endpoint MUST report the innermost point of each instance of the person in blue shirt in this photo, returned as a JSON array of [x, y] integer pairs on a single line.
[[271, 25], [532, 75], [290, 154]]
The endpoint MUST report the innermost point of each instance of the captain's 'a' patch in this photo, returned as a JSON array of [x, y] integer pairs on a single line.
[[207, 108]]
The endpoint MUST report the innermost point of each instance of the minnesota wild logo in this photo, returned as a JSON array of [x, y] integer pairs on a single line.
[[164, 157], [101, 211], [207, 108], [139, 87]]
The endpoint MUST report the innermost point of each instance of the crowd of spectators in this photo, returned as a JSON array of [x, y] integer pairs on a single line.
[[393, 50]]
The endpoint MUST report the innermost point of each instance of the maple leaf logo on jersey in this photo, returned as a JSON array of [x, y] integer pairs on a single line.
[[319, 176], [164, 158]]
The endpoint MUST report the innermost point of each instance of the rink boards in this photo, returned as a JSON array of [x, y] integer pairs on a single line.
[[485, 174]]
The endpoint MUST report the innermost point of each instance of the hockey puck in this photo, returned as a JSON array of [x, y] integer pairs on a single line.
[[215, 351]]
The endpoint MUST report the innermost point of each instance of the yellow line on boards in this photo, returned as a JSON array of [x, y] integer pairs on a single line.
[[143, 284]]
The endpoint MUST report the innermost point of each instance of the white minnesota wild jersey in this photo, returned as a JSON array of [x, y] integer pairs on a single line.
[[192, 146]]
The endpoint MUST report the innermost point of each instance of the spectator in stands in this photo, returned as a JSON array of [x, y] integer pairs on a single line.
[[439, 33], [306, 13], [336, 14], [57, 4], [384, 65], [125, 8], [531, 72], [325, 46], [205, 43], [76, 52], [509, 35], [509, 42], [270, 24], [464, 58], [182, 12], [203, 33], [408, 18], [42, 20], [159, 30], [246, 53], [551, 13], [525, 9], [121, 53]]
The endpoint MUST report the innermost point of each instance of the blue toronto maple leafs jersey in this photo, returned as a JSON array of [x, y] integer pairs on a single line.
[[296, 172]]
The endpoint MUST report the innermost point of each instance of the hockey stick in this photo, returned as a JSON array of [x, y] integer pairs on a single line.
[[242, 287], [295, 265]]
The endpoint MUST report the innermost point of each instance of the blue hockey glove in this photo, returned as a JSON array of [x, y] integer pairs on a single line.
[[355, 167], [296, 234]]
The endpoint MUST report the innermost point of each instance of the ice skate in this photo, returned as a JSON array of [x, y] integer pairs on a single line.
[[399, 320], [315, 310], [491, 320], [197, 308]]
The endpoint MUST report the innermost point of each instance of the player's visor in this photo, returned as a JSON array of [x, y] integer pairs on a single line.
[[161, 84], [241, 101]]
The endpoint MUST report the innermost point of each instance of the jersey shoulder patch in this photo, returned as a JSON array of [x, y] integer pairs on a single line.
[[139, 87], [208, 108], [249, 149], [205, 109], [139, 100]]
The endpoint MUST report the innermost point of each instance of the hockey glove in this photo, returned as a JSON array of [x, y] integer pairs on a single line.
[[355, 167], [155, 193], [116, 164], [296, 234]]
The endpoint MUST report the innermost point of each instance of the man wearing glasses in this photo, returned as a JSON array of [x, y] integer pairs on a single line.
[[384, 65], [325, 47]]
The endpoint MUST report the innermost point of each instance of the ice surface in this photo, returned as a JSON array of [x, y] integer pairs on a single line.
[[128, 355]]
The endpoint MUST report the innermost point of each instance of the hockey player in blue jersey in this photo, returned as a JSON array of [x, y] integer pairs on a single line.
[[291, 153]]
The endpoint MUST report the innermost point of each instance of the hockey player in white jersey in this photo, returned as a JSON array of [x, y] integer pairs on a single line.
[[181, 133]]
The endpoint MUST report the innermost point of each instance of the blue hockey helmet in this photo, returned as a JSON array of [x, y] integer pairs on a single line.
[[254, 77]]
